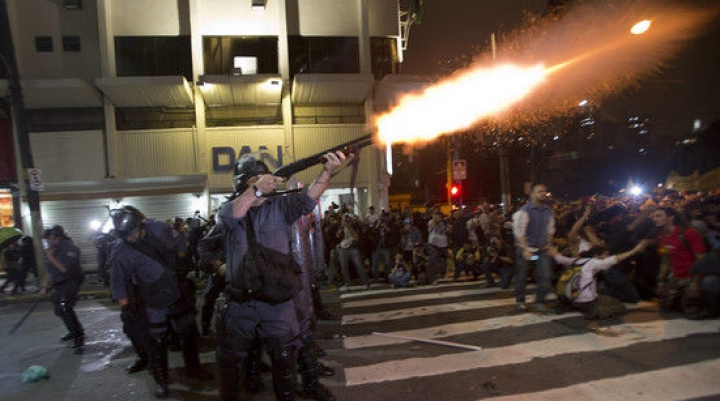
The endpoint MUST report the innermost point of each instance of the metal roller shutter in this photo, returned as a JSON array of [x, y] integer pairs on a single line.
[[75, 216]]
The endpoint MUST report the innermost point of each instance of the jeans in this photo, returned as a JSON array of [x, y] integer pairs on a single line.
[[543, 271], [503, 270], [400, 280], [617, 285], [346, 255], [710, 287], [381, 254], [437, 264]]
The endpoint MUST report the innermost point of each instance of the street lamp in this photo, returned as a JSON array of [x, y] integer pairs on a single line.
[[641, 27]]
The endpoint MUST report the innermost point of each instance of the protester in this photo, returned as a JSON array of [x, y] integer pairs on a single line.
[[593, 261], [533, 229]]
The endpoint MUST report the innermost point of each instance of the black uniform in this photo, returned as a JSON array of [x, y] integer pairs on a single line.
[[65, 287]]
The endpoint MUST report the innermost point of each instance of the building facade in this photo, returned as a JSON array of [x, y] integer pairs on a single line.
[[150, 103]]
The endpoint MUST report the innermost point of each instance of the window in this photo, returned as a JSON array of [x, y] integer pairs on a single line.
[[339, 55], [384, 55], [71, 43], [240, 54], [138, 56], [43, 44]]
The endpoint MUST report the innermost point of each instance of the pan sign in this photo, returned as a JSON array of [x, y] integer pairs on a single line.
[[224, 157], [35, 179]]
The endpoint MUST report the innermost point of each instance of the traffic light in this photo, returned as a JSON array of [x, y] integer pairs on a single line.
[[454, 190]]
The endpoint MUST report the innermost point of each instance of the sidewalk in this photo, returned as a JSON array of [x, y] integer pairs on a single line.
[[91, 289]]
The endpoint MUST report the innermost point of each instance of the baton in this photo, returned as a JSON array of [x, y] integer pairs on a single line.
[[25, 316]]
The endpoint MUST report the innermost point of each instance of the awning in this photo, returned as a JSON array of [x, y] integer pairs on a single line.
[[118, 187], [166, 91], [311, 89], [392, 87], [56, 93], [228, 90]]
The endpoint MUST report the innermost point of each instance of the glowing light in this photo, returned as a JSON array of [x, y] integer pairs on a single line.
[[583, 103], [542, 69], [636, 191], [445, 107], [641, 27], [95, 225]]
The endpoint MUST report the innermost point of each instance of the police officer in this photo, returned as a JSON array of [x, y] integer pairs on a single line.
[[244, 318], [62, 261], [146, 287], [211, 256]]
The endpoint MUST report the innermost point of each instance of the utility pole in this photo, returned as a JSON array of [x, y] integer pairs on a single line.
[[7, 55], [502, 156]]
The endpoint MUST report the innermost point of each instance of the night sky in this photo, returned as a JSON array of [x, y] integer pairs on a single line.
[[686, 88]]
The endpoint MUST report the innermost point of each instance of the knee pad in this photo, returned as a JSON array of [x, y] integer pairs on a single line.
[[62, 308], [283, 358]]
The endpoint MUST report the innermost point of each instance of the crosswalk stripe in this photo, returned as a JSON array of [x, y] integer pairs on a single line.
[[678, 383], [412, 297], [475, 326], [423, 311], [361, 292], [606, 338]]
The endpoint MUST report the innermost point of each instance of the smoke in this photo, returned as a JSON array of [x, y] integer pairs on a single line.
[[592, 53], [586, 53]]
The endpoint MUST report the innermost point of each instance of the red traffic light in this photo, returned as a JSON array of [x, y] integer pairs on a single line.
[[454, 190]]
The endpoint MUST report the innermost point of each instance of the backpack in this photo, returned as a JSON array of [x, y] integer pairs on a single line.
[[568, 286]]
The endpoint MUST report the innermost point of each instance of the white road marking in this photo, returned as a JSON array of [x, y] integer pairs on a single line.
[[684, 382], [616, 336], [475, 326]]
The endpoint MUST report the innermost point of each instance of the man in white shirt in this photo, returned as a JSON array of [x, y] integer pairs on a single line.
[[593, 261]]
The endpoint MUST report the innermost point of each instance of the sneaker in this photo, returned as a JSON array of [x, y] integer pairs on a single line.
[[344, 288], [521, 307], [541, 308]]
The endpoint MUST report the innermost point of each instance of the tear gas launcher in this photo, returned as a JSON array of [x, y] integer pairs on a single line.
[[347, 148]]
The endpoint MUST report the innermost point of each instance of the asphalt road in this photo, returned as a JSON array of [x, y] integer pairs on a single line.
[[454, 341]]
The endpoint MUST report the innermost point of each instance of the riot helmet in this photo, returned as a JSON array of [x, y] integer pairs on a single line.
[[54, 231], [248, 166], [126, 220]]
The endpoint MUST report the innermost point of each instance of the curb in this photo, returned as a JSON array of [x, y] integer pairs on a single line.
[[32, 297]]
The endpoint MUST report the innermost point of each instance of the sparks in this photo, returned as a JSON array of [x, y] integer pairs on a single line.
[[458, 103]]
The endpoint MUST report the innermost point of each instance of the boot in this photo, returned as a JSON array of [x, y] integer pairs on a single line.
[[325, 370], [228, 371], [309, 370], [159, 366], [78, 344], [190, 355], [137, 365], [142, 360], [252, 381], [67, 337], [284, 374]]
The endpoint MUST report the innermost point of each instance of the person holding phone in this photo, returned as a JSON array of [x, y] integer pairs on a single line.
[[533, 229]]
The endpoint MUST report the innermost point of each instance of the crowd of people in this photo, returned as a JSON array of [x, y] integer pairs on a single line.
[[593, 255], [661, 246]]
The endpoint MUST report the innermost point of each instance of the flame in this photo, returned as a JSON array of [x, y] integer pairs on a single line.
[[445, 107], [587, 56]]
